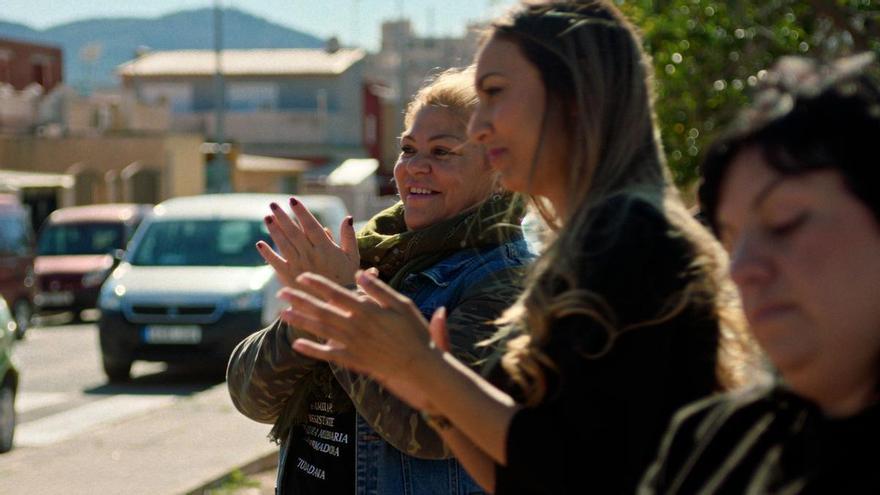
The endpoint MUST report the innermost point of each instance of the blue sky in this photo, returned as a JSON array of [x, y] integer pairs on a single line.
[[323, 18]]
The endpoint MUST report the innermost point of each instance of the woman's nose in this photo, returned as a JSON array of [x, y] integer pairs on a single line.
[[418, 164], [478, 126], [750, 264]]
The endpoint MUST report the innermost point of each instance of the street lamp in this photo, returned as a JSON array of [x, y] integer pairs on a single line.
[[217, 176]]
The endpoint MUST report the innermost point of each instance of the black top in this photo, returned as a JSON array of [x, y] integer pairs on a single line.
[[768, 441], [601, 422], [322, 452]]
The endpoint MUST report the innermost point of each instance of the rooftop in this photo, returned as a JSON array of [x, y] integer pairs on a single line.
[[119, 212], [264, 62]]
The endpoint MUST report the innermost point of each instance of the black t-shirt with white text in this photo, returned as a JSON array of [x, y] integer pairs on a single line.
[[321, 454]]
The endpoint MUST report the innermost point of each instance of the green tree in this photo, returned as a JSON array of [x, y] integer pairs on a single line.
[[707, 55]]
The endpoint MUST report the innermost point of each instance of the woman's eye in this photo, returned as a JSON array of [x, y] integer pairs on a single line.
[[491, 90], [783, 229], [407, 149], [442, 152]]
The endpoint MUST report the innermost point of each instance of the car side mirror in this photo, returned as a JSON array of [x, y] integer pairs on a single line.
[[117, 254]]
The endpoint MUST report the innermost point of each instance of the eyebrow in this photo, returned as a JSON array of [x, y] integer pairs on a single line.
[[761, 197], [436, 137], [765, 192]]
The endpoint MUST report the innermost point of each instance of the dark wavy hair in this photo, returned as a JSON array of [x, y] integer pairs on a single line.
[[806, 116]]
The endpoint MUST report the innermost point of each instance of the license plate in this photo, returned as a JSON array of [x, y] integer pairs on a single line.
[[172, 334], [59, 298]]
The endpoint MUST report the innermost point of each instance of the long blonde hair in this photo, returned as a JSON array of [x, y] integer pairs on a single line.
[[590, 57]]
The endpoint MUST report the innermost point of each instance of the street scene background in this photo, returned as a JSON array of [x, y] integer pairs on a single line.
[[125, 103]]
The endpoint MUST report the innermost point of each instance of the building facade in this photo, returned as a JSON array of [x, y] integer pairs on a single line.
[[23, 64], [403, 64], [303, 104]]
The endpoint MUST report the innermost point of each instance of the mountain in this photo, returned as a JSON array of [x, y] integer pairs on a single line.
[[117, 39]]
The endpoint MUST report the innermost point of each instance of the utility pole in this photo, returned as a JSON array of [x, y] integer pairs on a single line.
[[218, 176]]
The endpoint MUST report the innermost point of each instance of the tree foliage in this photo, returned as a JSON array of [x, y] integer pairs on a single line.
[[707, 54]]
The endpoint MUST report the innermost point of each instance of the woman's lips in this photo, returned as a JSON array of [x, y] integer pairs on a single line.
[[420, 193], [768, 312]]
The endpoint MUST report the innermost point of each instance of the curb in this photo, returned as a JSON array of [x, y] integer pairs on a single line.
[[257, 465]]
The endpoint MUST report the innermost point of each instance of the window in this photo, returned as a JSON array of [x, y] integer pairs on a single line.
[[251, 96], [13, 234], [201, 243], [81, 238], [178, 95], [5, 62]]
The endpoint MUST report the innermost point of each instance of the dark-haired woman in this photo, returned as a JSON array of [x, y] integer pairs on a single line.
[[791, 192]]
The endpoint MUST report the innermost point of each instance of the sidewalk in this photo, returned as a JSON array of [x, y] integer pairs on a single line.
[[169, 451]]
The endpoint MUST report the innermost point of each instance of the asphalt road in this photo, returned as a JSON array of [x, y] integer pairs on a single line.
[[63, 390]]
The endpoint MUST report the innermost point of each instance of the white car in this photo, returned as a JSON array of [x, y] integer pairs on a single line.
[[192, 285]]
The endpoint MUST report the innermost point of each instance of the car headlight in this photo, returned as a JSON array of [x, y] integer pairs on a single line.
[[11, 327], [111, 297], [248, 300], [94, 278]]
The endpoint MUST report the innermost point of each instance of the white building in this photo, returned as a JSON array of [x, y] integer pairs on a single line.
[[291, 103]]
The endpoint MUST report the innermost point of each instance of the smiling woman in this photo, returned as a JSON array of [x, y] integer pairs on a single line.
[[453, 241], [439, 173]]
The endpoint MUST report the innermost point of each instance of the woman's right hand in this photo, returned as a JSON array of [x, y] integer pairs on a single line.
[[305, 245], [413, 393], [380, 333]]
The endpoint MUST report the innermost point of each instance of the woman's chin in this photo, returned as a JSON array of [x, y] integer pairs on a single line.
[[416, 220]]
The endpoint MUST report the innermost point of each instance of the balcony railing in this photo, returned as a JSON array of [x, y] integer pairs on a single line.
[[275, 126]]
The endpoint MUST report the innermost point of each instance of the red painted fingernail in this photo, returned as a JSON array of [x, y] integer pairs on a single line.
[[293, 202], [268, 219], [274, 206], [350, 221]]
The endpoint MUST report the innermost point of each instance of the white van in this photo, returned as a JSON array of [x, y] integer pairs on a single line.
[[192, 285]]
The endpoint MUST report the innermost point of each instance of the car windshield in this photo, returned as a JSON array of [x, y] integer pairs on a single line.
[[13, 233], [81, 238], [201, 243]]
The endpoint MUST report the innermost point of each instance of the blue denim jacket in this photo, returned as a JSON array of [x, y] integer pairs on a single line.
[[381, 469]]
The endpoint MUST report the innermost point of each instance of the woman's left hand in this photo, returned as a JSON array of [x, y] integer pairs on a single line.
[[382, 334]]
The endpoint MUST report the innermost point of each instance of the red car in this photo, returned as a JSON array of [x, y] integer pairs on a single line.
[[77, 248], [16, 260]]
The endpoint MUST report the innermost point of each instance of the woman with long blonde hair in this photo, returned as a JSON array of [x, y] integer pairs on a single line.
[[626, 316]]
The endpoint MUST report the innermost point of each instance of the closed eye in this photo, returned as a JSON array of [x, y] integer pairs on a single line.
[[788, 227], [491, 91]]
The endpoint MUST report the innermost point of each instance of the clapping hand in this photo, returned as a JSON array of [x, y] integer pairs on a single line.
[[380, 333], [304, 245]]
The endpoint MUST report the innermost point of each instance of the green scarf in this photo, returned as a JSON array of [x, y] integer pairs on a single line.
[[385, 243]]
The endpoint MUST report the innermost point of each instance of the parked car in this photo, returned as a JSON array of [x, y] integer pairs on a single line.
[[77, 248], [8, 378], [16, 260], [192, 284]]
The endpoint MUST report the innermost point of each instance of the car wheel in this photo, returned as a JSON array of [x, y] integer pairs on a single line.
[[117, 371], [7, 417], [23, 313]]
